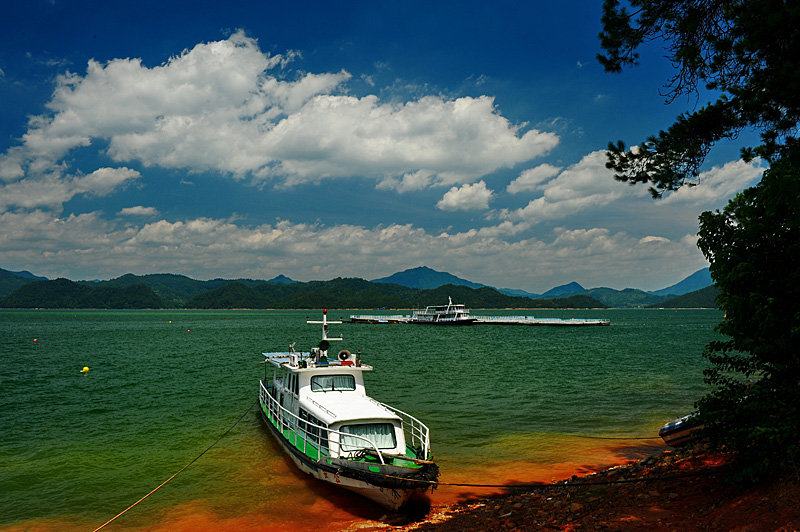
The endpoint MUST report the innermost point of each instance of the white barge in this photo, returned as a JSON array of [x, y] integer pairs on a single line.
[[530, 320], [458, 314], [318, 411]]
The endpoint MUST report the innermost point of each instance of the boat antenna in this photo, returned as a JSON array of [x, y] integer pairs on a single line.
[[325, 324]]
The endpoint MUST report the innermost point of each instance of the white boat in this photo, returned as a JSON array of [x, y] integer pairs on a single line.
[[450, 314], [318, 410]]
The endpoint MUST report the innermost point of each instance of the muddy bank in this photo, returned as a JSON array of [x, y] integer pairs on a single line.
[[672, 491]]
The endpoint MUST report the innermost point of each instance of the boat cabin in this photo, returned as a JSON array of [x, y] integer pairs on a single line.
[[450, 314], [327, 401]]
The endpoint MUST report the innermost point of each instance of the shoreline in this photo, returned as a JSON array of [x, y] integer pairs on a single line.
[[674, 490]]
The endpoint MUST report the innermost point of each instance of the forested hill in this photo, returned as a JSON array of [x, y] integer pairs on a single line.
[[337, 293], [703, 298], [63, 293], [358, 293]]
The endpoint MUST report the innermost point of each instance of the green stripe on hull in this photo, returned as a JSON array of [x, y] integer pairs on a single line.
[[310, 449], [298, 441]]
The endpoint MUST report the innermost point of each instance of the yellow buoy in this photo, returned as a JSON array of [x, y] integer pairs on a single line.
[[85, 369]]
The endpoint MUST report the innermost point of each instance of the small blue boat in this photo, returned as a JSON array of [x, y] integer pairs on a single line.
[[681, 431]]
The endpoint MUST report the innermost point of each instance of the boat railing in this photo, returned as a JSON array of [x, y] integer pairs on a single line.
[[295, 430], [378, 316], [506, 318], [417, 433]]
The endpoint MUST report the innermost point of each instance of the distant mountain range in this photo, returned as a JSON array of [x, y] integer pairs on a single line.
[[177, 291], [697, 281], [425, 278], [564, 290], [410, 288]]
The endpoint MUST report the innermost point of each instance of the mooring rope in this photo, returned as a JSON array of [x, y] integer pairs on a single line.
[[589, 436], [179, 471]]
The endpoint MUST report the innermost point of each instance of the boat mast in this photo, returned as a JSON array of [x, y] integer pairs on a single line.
[[325, 323]]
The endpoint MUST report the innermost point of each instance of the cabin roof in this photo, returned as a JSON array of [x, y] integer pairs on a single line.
[[345, 406], [282, 360]]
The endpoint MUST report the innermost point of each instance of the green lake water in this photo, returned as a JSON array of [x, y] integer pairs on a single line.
[[502, 402]]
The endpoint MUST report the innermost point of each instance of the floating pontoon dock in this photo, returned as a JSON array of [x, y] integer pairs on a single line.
[[530, 320], [490, 320]]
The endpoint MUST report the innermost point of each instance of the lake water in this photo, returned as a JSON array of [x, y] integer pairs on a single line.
[[504, 404]]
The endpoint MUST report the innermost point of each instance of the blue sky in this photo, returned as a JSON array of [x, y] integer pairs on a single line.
[[320, 140]]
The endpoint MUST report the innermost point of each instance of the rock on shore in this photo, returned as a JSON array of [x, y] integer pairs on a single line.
[[683, 490]]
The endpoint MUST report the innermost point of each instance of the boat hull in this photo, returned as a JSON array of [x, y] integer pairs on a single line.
[[393, 498], [469, 321], [681, 431]]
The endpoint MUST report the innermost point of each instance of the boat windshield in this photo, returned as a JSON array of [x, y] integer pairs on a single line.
[[381, 434], [329, 383]]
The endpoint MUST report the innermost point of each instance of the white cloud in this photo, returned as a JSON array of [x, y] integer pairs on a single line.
[[138, 210], [466, 198], [587, 191], [206, 248], [103, 181], [717, 184], [585, 185], [419, 180], [217, 107], [650, 239], [457, 141], [531, 179], [11, 164], [53, 189]]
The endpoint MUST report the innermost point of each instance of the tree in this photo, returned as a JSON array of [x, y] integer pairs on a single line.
[[743, 52], [754, 250]]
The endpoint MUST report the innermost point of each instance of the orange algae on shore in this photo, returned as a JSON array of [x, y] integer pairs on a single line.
[[556, 458], [287, 498]]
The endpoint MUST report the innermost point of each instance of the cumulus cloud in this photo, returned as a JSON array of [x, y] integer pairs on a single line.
[[53, 189], [419, 180], [208, 247], [530, 179], [138, 210], [717, 184], [586, 184], [589, 186], [219, 107], [466, 198], [447, 141]]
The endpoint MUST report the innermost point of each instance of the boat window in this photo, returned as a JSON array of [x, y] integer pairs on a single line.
[[316, 434], [381, 434], [327, 383]]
